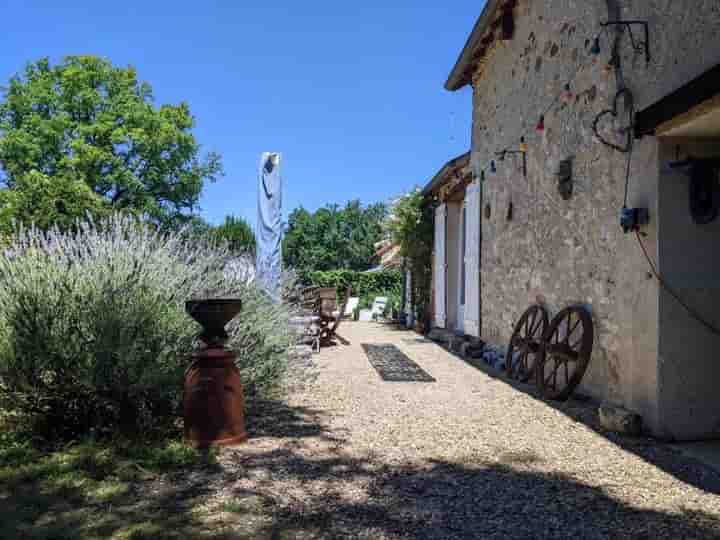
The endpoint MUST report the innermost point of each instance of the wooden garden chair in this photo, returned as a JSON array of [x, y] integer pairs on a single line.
[[332, 323]]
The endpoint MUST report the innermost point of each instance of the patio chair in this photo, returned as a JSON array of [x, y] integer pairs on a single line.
[[332, 324], [378, 307]]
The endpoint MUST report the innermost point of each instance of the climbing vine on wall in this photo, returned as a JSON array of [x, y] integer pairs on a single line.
[[410, 225]]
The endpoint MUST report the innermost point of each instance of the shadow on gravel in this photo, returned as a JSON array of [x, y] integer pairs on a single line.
[[274, 418], [584, 410], [361, 498]]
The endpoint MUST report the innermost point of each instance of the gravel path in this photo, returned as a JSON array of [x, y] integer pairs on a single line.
[[469, 456]]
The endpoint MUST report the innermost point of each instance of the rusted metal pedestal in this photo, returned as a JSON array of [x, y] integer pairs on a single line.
[[213, 402], [214, 406]]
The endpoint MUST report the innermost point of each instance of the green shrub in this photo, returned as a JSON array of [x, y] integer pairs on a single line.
[[363, 284], [366, 286], [94, 338], [260, 338]]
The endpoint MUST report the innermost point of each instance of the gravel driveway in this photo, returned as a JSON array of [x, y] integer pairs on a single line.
[[468, 456]]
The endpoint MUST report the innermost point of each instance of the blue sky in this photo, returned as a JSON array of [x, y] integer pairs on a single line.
[[351, 94]]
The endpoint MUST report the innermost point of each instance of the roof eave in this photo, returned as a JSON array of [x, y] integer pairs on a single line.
[[458, 76], [440, 177]]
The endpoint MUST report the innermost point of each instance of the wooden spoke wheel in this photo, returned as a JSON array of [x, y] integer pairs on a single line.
[[566, 353], [525, 348]]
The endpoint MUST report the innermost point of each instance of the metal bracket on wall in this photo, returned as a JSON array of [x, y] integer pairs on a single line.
[[501, 157], [638, 46]]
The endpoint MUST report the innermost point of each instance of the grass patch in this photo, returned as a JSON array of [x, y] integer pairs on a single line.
[[169, 456], [89, 490], [234, 507]]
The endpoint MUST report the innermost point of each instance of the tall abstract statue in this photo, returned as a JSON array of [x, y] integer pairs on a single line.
[[269, 224]]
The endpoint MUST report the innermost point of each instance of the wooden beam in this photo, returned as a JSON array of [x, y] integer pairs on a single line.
[[679, 102]]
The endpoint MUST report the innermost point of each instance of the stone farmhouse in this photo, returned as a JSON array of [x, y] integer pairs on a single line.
[[581, 109]]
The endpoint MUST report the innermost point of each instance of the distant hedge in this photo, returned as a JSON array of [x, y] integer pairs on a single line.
[[362, 283]]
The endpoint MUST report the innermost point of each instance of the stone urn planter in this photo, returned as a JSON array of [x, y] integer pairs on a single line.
[[213, 402]]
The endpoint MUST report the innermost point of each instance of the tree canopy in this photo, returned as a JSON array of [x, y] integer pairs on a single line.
[[333, 237], [85, 136], [237, 232]]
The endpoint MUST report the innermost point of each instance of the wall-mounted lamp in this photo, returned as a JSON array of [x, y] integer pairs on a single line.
[[522, 150]]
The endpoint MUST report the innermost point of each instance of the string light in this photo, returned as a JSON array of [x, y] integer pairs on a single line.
[[566, 96]]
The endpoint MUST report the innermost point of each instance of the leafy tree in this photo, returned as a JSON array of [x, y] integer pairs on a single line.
[[237, 232], [333, 237], [84, 136], [47, 201]]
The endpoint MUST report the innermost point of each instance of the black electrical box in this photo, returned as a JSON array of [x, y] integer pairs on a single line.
[[631, 219]]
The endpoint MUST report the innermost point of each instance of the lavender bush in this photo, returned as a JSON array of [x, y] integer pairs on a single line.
[[93, 333]]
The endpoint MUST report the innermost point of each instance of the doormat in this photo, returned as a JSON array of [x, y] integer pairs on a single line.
[[393, 365]]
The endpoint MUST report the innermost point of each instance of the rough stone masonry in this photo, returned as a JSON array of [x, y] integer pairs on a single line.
[[562, 252]]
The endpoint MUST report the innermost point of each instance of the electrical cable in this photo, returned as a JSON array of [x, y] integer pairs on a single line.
[[629, 162], [712, 328]]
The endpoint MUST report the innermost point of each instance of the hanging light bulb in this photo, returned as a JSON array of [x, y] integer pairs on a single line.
[[493, 169], [612, 63], [523, 146], [541, 124]]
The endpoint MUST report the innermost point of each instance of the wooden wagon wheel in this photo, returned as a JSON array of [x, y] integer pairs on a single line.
[[566, 353], [523, 351]]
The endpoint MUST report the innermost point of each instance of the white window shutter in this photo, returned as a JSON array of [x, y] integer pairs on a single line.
[[440, 266], [472, 260]]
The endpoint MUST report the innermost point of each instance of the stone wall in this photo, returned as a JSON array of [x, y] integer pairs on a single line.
[[566, 252]]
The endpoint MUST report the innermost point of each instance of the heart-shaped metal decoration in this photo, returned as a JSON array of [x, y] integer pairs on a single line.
[[630, 108]]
